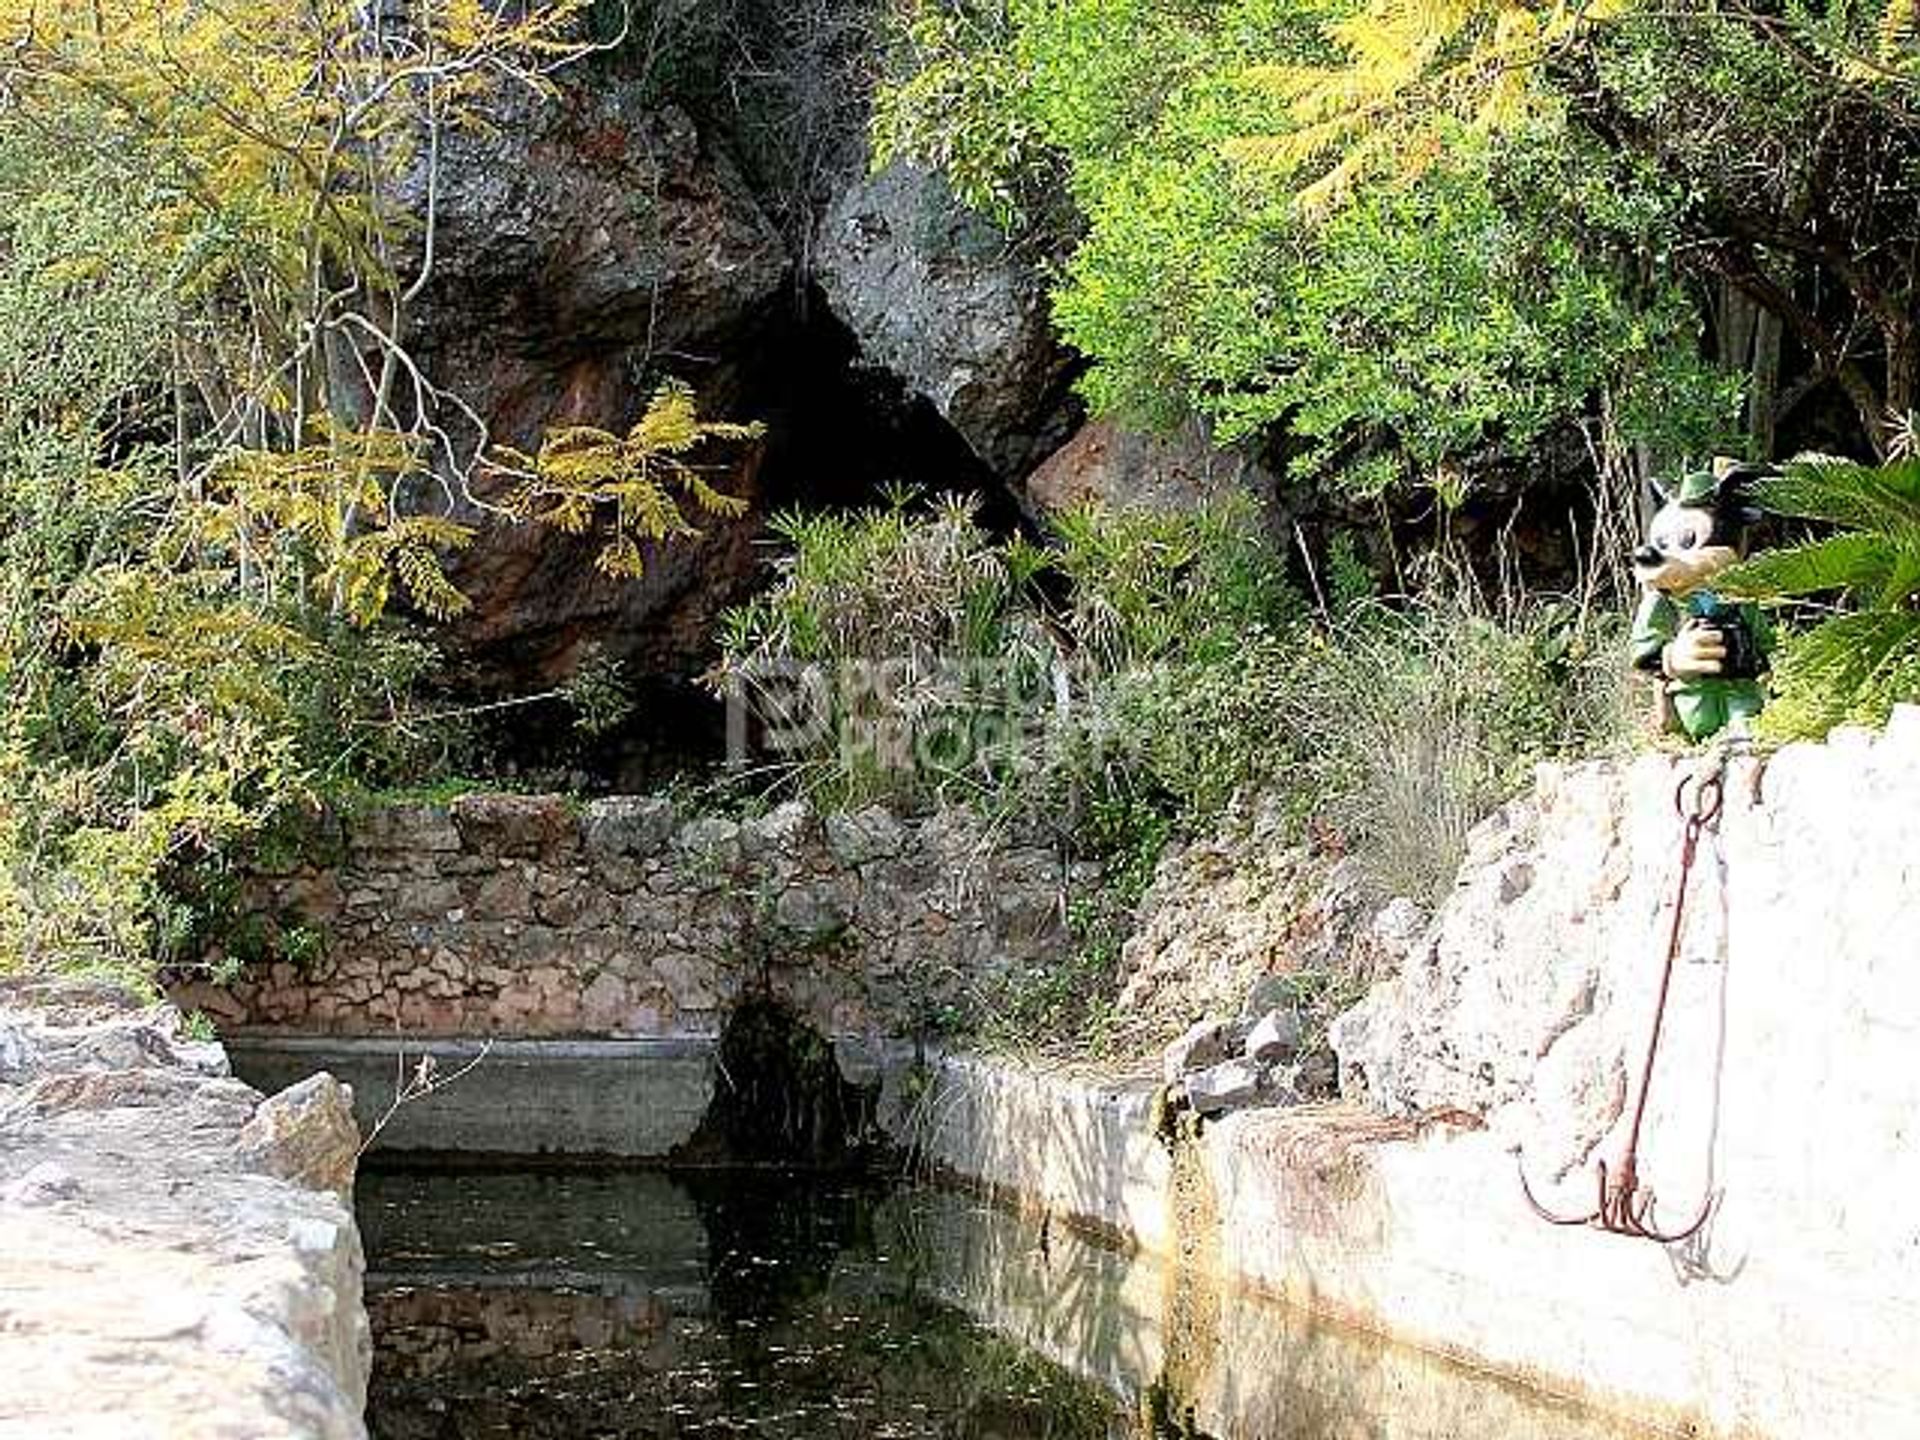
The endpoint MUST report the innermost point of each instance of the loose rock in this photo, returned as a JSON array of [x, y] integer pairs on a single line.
[[305, 1134], [1223, 1087], [1206, 1043], [1275, 1036]]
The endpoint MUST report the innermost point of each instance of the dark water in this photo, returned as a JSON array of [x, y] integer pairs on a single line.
[[518, 1306], [634, 1304]]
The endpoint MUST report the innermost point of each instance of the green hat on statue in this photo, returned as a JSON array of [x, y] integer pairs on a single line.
[[1696, 488]]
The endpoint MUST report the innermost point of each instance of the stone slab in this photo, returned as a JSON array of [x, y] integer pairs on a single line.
[[623, 1099], [159, 1274]]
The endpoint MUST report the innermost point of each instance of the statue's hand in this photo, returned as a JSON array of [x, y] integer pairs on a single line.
[[1698, 651]]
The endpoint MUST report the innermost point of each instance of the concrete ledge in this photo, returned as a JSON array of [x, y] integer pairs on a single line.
[[1420, 1234], [1050, 1141], [624, 1099]]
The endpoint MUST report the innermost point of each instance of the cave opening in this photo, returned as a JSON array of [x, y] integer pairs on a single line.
[[779, 1099], [840, 434]]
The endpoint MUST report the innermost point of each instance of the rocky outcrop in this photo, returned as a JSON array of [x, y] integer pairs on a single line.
[[1242, 920], [627, 917], [1530, 998], [157, 1275], [1782, 1102], [932, 294], [1107, 464], [584, 247]]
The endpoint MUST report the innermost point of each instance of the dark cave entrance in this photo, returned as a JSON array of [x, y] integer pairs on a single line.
[[780, 1100], [840, 434]]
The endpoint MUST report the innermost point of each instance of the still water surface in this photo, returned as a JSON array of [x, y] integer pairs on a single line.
[[541, 1306]]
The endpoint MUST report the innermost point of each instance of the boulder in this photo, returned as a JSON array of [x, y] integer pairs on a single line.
[[1107, 464], [580, 241], [932, 293]]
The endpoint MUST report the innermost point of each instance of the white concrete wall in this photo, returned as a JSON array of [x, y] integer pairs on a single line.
[[1787, 1088]]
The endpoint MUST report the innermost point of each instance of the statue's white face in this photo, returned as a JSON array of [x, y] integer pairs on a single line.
[[1679, 555]]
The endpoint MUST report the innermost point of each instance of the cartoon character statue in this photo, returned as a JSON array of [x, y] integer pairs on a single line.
[[1710, 652]]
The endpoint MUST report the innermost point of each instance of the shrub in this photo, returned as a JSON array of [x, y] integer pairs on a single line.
[[1167, 671], [202, 518], [1854, 666], [932, 661]]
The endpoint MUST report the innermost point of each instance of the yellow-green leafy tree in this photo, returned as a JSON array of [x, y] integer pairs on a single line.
[[215, 216]]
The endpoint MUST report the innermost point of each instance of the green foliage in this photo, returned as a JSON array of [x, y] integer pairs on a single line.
[[1855, 666], [1134, 679], [639, 478], [203, 521], [1456, 311], [955, 666]]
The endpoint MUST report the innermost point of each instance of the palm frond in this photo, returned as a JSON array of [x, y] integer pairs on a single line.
[[1840, 492]]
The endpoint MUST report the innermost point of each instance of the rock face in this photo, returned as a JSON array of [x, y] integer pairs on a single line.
[[531, 916], [153, 1279], [585, 246], [1108, 464], [931, 294], [1233, 917], [1530, 998]]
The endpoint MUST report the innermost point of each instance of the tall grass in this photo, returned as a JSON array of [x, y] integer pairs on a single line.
[[1144, 674]]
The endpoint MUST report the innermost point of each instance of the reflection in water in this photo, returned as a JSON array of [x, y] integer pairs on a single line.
[[536, 1306], [546, 1306]]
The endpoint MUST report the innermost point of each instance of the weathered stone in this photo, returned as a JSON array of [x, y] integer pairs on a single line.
[[405, 829], [316, 895], [1230, 911], [16, 1052], [505, 895], [1313, 1075], [305, 1134], [156, 1285], [1107, 464], [933, 294], [1275, 1036], [861, 837], [1206, 1042], [516, 826], [1222, 1087], [583, 941], [808, 916], [1528, 999], [628, 825], [710, 844], [782, 831], [47, 1183], [427, 900], [568, 907], [580, 238]]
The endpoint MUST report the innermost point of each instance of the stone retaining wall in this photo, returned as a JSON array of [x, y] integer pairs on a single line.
[[537, 916], [178, 1257]]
